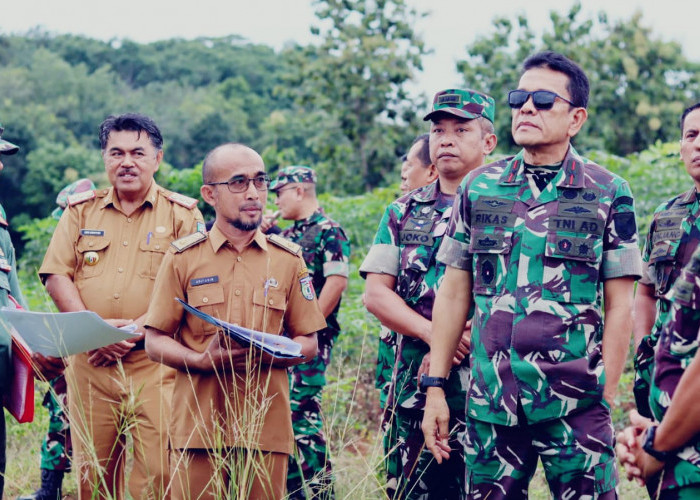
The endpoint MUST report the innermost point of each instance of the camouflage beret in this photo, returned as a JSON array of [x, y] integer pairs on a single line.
[[295, 173], [78, 186], [6, 147], [463, 103]]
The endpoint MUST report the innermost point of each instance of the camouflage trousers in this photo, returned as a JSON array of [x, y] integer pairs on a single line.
[[412, 472], [643, 368], [386, 359], [56, 448], [309, 474], [576, 451], [678, 480]]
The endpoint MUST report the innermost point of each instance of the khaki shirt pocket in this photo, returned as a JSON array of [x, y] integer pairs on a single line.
[[208, 299], [268, 310], [153, 252], [92, 252]]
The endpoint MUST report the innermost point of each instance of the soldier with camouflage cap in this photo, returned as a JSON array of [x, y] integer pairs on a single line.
[[326, 251], [9, 285], [536, 241], [402, 278]]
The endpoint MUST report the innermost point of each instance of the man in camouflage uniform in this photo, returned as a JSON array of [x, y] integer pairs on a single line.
[[535, 243], [402, 277], [673, 236], [9, 285], [671, 284], [326, 250], [665, 452], [417, 171], [56, 448]]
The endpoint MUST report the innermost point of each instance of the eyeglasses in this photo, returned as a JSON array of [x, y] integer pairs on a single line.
[[542, 99], [240, 183]]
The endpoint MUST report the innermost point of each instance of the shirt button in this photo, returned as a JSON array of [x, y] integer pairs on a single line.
[[272, 301], [157, 247], [92, 243], [116, 295], [205, 299], [236, 324], [120, 270], [239, 258], [237, 292], [125, 243], [129, 219]]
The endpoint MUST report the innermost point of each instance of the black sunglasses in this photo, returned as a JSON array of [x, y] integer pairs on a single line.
[[542, 99]]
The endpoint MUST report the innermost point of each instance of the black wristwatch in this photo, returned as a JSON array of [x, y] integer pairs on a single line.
[[648, 446], [426, 381]]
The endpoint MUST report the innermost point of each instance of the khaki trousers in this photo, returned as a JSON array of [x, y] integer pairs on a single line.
[[106, 403], [234, 473]]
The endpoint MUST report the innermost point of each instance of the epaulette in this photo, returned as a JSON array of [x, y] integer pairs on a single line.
[[188, 241], [76, 198], [289, 246], [181, 199]]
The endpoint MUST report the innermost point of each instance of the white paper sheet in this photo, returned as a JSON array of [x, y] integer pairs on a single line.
[[63, 334]]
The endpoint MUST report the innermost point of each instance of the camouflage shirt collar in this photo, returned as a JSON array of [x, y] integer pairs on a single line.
[[426, 193], [688, 197], [570, 174], [315, 217]]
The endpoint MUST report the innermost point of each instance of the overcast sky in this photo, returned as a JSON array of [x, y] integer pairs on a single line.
[[451, 26]]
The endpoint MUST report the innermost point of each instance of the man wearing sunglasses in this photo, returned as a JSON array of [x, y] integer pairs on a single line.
[[231, 431], [402, 277], [326, 251], [103, 257], [536, 243]]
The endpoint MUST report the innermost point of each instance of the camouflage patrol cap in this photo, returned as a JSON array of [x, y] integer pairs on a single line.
[[6, 147], [75, 187], [295, 173], [463, 103]]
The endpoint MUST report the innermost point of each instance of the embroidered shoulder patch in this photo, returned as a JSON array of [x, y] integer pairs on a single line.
[[289, 246], [183, 200], [76, 198], [188, 241]]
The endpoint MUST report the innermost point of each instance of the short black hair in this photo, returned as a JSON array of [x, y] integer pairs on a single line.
[[686, 112], [132, 122], [578, 86], [424, 152]]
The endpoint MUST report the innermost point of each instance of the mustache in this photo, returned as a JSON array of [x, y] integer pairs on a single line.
[[251, 204]]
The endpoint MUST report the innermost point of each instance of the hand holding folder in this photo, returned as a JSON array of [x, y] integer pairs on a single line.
[[274, 345]]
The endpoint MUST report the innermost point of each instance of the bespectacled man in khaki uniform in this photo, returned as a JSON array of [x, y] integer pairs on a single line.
[[103, 257], [231, 431]]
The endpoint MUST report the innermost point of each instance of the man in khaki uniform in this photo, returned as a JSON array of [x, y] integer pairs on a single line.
[[231, 430], [103, 257]]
